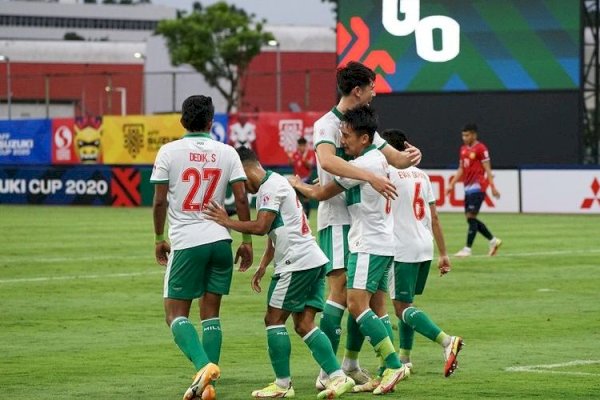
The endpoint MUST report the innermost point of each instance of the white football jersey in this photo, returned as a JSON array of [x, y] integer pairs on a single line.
[[372, 226], [327, 130], [295, 246], [412, 215], [197, 170]]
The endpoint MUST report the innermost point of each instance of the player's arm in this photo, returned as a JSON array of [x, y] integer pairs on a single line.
[[264, 262], [339, 167], [455, 178], [260, 226], [245, 251], [315, 192], [436, 226], [159, 214], [402, 159], [490, 177]]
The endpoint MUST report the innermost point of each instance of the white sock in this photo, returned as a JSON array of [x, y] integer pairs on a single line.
[[283, 382], [336, 373], [349, 364], [323, 375]]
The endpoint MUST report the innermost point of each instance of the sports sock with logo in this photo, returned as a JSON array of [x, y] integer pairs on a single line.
[[212, 338], [186, 338], [372, 327], [421, 323], [331, 323], [321, 350], [280, 349]]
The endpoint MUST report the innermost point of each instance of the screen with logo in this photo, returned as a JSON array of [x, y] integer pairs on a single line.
[[463, 45]]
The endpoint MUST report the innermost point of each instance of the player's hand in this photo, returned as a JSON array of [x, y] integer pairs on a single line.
[[444, 265], [161, 252], [495, 192], [450, 189], [260, 272], [383, 186], [216, 212], [295, 181], [246, 254], [414, 154]]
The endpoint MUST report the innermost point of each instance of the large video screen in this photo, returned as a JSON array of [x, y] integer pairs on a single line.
[[463, 45]]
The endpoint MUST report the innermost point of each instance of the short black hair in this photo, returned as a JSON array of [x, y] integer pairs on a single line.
[[352, 75], [197, 113], [395, 138], [302, 140], [247, 155], [362, 120], [470, 127]]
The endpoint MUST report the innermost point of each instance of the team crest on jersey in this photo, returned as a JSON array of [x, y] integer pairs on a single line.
[[265, 199], [133, 137], [472, 155]]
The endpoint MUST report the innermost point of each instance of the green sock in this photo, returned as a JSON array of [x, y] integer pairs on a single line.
[[321, 350], [354, 338], [388, 327], [331, 324], [372, 327], [186, 338], [421, 323], [212, 337], [407, 337], [280, 349]]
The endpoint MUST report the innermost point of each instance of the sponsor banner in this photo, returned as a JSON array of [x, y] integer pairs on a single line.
[[136, 139], [77, 140], [271, 135], [25, 141], [561, 191], [507, 183], [55, 185]]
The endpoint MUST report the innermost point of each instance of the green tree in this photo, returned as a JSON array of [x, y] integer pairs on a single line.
[[219, 41]]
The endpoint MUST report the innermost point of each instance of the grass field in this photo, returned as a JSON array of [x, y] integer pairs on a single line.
[[81, 313]]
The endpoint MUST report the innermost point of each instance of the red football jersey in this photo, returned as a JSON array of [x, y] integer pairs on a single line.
[[299, 161], [471, 158]]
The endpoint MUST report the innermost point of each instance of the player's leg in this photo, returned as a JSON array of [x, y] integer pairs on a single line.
[[365, 272], [219, 272], [280, 306], [184, 281], [334, 243]]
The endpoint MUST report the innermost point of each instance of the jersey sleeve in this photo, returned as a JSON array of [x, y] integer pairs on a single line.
[[160, 170], [237, 170], [378, 141], [270, 199], [324, 134], [349, 183], [483, 153]]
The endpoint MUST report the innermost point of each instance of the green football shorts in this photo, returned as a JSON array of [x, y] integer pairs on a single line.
[[407, 280], [368, 272], [294, 291], [197, 270], [333, 240]]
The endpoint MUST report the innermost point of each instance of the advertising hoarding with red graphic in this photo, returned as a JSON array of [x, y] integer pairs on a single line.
[[77, 140], [271, 135]]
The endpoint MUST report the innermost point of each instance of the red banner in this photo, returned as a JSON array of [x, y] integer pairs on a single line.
[[271, 135], [76, 141]]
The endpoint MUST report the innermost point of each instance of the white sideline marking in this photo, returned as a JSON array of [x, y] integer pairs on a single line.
[[547, 368], [45, 259], [74, 277], [538, 253]]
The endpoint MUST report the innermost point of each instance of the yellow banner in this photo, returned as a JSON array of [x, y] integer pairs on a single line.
[[136, 139]]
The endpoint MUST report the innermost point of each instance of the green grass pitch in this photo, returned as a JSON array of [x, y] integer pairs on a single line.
[[81, 313]]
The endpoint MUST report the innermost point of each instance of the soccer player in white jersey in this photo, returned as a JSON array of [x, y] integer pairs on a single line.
[[298, 284], [188, 173], [415, 219], [370, 239], [355, 83]]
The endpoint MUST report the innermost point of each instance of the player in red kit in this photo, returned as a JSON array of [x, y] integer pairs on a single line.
[[303, 162], [476, 173]]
